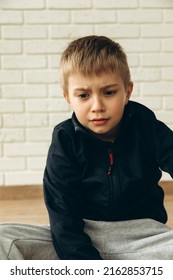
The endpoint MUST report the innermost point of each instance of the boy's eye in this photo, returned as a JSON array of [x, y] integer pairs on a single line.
[[109, 92], [83, 95]]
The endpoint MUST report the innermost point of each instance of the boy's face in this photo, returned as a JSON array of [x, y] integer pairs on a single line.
[[98, 102]]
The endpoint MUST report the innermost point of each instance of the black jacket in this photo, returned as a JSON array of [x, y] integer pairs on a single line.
[[88, 178]]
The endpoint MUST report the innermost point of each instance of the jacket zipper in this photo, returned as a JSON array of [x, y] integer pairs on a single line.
[[114, 185], [112, 190], [111, 161]]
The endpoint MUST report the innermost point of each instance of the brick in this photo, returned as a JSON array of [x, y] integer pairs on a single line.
[[91, 16], [155, 30], [58, 118], [10, 47], [143, 74], [133, 60], [36, 163], [10, 17], [24, 91], [154, 103], [25, 120], [71, 31], [168, 74], [157, 60], [25, 149], [110, 4], [8, 77], [141, 45], [168, 16], [11, 106], [24, 62], [47, 17], [38, 134], [168, 45], [44, 46], [68, 4], [155, 4], [54, 61], [24, 178], [22, 4], [12, 135], [8, 164], [120, 31], [168, 103], [52, 105], [165, 117], [156, 89], [24, 32], [140, 16], [55, 91], [1, 179], [44, 77]]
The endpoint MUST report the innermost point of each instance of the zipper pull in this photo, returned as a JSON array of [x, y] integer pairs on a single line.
[[111, 161]]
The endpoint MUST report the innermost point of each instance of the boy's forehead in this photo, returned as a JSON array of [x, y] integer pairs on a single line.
[[81, 81]]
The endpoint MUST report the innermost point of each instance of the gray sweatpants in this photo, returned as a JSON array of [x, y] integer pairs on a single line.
[[128, 240]]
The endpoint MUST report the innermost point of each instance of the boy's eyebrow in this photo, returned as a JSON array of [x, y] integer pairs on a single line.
[[80, 88], [109, 86], [102, 88]]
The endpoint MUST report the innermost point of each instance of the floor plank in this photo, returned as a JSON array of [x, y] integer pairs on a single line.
[[30, 211]]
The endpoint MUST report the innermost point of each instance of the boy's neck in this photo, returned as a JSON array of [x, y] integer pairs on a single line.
[[108, 137]]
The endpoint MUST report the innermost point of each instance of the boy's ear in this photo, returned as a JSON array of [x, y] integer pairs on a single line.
[[66, 97], [129, 91]]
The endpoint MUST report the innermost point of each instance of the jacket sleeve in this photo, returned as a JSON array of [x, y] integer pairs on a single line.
[[164, 147], [63, 199]]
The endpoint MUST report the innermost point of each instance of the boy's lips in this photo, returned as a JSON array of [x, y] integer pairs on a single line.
[[99, 121]]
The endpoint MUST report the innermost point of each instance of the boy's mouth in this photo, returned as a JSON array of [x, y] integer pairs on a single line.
[[99, 121]]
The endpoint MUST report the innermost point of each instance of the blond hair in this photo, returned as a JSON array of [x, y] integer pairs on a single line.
[[93, 55]]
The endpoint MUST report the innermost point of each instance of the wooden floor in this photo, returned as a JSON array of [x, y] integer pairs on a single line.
[[23, 205], [26, 204]]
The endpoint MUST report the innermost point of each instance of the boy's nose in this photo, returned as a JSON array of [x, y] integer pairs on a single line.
[[97, 105]]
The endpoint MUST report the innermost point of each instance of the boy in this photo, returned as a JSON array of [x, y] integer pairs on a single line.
[[104, 164]]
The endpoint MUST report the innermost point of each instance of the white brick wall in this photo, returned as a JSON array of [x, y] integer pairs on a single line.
[[33, 34]]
